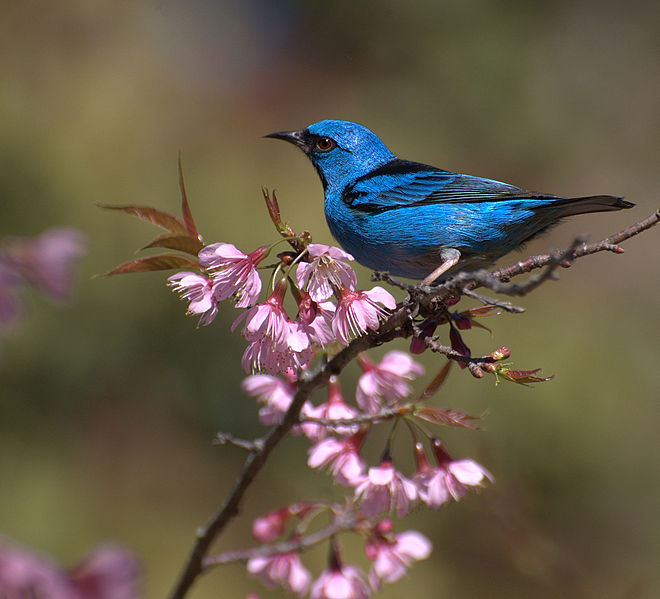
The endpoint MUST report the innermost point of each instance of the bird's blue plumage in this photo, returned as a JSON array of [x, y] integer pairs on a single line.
[[408, 218]]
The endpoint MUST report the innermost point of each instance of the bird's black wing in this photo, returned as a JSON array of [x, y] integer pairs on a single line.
[[401, 184]]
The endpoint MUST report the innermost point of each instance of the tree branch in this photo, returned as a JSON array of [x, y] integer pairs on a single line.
[[462, 284], [307, 383], [341, 523]]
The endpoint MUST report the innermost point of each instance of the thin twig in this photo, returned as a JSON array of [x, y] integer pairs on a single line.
[[340, 524], [229, 439], [384, 414], [392, 328], [489, 301], [307, 383]]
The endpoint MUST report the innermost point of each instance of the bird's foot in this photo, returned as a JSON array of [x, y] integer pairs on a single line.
[[450, 258]]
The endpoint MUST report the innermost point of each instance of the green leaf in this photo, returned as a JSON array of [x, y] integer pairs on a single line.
[[160, 262], [157, 217]]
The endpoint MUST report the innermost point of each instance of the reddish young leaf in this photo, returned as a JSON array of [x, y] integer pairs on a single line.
[[273, 209], [481, 311], [447, 417], [458, 344], [522, 377], [161, 262], [157, 217], [436, 383], [184, 243], [188, 220], [461, 321]]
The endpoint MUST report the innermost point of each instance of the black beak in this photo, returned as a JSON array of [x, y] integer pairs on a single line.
[[294, 137]]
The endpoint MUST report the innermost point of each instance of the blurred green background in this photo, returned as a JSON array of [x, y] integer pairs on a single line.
[[109, 405]]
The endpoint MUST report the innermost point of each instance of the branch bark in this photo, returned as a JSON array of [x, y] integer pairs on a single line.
[[393, 327]]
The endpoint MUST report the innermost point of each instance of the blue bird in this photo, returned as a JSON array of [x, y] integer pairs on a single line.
[[419, 221]]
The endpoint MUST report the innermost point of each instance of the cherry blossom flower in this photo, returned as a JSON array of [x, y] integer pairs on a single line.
[[393, 554], [268, 319], [334, 409], [359, 311], [46, 261], [275, 393], [234, 273], [385, 382], [109, 572], [23, 574], [199, 291], [383, 490], [270, 526], [341, 456], [283, 569], [277, 342], [265, 355], [451, 479], [315, 319], [325, 272], [341, 582]]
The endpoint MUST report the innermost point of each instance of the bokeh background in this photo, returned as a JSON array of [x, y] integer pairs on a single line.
[[109, 405]]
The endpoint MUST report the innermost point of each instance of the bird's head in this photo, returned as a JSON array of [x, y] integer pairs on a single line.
[[341, 151]]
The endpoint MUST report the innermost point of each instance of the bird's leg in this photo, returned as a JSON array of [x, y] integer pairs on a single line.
[[449, 257]]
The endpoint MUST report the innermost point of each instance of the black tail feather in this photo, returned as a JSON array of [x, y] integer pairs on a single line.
[[588, 204]]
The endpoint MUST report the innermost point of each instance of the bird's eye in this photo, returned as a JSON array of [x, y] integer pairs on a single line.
[[325, 144]]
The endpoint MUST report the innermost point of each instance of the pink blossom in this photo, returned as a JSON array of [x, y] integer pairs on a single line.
[[326, 272], [270, 526], [107, 573], [275, 393], [341, 582], [268, 319], [23, 574], [315, 319], [383, 490], [265, 355], [341, 456], [234, 273], [385, 382], [277, 343], [283, 569], [450, 479], [199, 291], [334, 409], [359, 311], [46, 261], [393, 554]]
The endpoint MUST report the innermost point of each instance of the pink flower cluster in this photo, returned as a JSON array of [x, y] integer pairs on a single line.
[[329, 309], [45, 262], [337, 431], [391, 555], [277, 342], [106, 573]]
